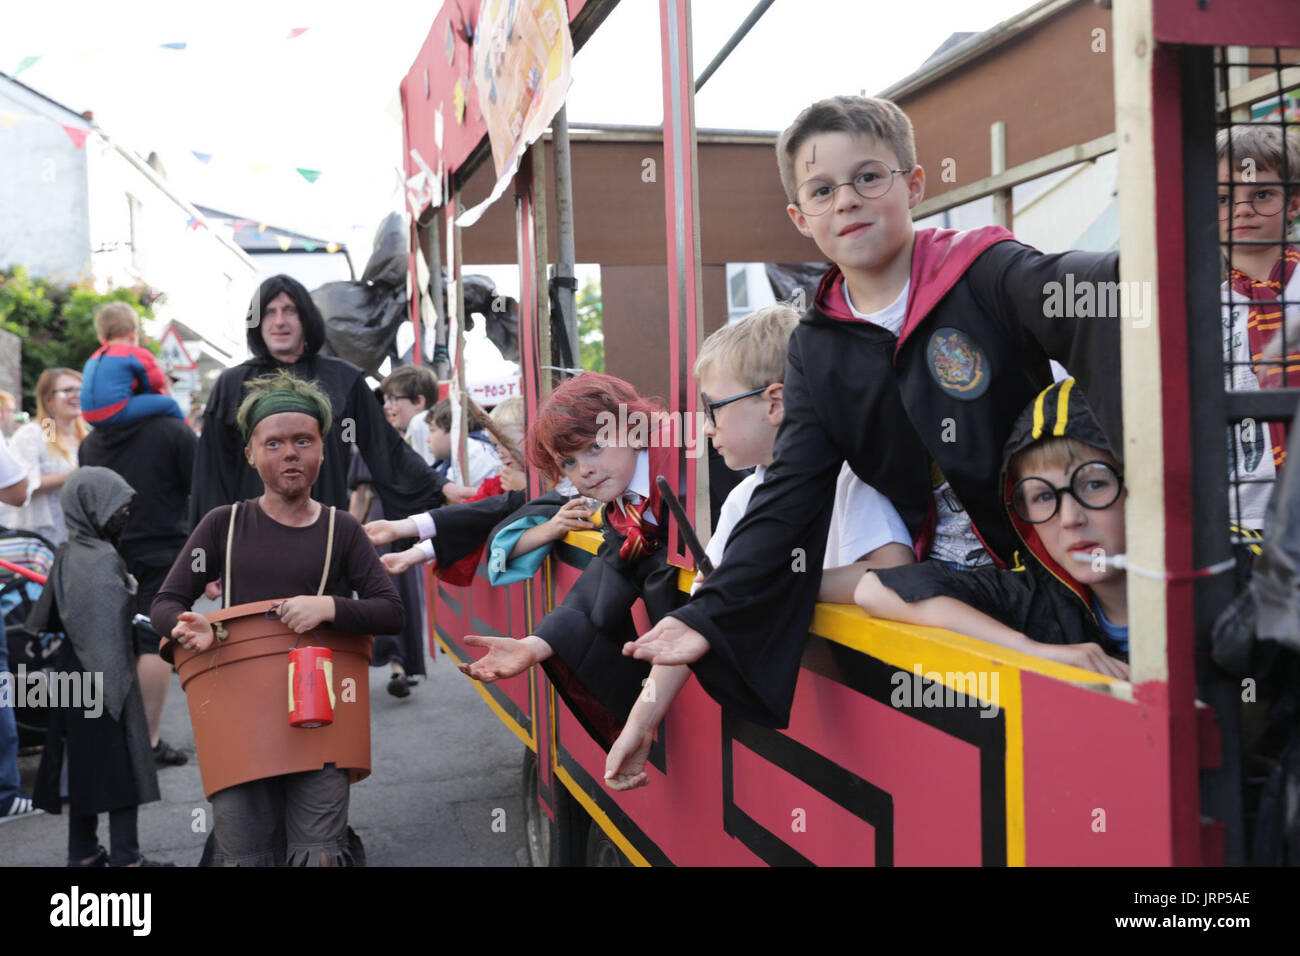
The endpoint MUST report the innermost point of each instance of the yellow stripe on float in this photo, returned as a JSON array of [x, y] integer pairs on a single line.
[[602, 819]]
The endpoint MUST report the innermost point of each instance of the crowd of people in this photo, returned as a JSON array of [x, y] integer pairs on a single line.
[[935, 446]]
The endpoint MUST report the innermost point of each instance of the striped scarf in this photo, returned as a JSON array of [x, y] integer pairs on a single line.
[[1262, 326]]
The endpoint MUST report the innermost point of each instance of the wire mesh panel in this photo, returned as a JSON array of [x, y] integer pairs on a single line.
[[1257, 148]]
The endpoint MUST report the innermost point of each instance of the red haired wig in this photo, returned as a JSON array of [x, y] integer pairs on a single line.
[[579, 411]]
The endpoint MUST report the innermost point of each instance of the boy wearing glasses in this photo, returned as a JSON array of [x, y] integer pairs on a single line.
[[742, 422], [1064, 495], [741, 372], [920, 349], [1258, 200]]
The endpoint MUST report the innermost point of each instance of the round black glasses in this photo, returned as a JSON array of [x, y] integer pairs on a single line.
[[1094, 484]]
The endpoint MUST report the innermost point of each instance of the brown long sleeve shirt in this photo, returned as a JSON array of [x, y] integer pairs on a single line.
[[271, 561]]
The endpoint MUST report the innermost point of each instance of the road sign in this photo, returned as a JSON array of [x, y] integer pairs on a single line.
[[174, 354]]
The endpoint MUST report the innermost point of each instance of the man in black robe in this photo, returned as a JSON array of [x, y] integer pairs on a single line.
[[286, 330]]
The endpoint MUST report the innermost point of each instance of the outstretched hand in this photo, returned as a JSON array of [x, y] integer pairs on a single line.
[[192, 632], [381, 532], [400, 561], [625, 766], [668, 642], [506, 657]]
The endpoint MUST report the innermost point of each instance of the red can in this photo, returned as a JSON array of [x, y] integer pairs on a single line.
[[311, 687]]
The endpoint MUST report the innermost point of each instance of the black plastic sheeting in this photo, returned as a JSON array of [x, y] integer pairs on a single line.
[[796, 282], [362, 318]]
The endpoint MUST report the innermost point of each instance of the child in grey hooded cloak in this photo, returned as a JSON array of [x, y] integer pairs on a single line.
[[89, 598]]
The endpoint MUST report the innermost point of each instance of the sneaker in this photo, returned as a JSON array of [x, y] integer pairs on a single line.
[[20, 806], [165, 755], [399, 685]]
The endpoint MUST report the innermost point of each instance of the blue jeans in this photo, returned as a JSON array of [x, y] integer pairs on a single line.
[[148, 405], [9, 779]]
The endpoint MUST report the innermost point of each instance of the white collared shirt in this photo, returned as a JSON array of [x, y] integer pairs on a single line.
[[638, 489]]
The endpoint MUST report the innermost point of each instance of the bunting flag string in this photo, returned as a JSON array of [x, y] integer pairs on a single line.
[[177, 46], [78, 134]]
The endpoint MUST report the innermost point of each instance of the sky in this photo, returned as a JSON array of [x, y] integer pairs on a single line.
[[246, 93], [265, 87]]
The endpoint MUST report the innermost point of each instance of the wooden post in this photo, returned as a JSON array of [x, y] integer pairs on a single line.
[[682, 210], [1002, 211]]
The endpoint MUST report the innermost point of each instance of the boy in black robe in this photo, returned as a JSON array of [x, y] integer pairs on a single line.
[[1063, 600], [913, 362]]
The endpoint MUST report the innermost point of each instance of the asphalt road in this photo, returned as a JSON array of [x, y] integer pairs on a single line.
[[444, 788]]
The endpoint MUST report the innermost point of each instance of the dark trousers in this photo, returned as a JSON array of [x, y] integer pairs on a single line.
[[124, 840]]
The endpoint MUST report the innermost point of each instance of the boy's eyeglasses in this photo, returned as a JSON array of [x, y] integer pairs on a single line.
[[394, 399], [711, 407], [1094, 484], [871, 181], [1265, 202]]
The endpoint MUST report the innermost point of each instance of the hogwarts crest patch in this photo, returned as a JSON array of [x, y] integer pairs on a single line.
[[957, 364]]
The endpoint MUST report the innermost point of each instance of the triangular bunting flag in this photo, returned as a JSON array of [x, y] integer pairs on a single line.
[[173, 46], [8, 119], [203, 158], [309, 246], [77, 135], [311, 175], [332, 247], [257, 168], [197, 223], [239, 224], [285, 242], [296, 32], [261, 227], [25, 63]]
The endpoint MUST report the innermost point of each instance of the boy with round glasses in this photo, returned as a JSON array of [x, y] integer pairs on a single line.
[[1258, 200], [1064, 495], [919, 351]]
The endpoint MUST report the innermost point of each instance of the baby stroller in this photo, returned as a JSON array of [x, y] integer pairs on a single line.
[[25, 561]]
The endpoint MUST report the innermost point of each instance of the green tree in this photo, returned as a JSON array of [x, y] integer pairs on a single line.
[[56, 320], [591, 328]]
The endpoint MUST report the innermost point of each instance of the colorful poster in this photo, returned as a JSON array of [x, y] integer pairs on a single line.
[[522, 56]]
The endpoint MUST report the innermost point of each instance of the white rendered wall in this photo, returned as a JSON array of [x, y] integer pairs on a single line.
[[43, 217]]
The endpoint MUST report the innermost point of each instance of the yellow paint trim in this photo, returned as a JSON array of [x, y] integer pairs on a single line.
[[904, 646], [602, 819], [584, 540], [529, 739], [1062, 407]]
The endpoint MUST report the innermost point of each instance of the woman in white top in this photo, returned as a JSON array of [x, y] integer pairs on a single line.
[[47, 449]]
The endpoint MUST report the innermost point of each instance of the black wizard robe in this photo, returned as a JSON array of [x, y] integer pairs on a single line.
[[404, 483]]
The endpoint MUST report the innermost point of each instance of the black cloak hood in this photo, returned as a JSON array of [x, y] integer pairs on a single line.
[[313, 325], [1060, 410]]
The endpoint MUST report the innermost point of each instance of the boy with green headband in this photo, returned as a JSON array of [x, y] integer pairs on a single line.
[[278, 543]]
